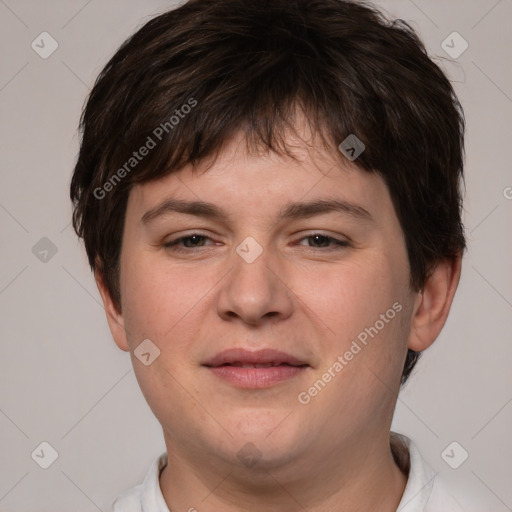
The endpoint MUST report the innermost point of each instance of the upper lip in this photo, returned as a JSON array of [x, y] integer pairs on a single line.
[[243, 356]]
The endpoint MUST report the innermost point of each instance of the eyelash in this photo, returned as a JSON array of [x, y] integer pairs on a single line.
[[173, 246]]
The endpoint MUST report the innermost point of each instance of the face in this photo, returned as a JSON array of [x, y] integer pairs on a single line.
[[298, 269]]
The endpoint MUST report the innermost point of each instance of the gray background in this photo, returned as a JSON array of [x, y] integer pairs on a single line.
[[65, 382]]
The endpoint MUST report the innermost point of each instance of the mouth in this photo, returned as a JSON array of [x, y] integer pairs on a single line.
[[255, 370], [241, 364]]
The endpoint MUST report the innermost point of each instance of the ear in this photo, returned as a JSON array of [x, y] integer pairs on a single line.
[[433, 303], [115, 318]]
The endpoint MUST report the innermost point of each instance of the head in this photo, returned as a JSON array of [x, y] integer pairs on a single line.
[[244, 105]]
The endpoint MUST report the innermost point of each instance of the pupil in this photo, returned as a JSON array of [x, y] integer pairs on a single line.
[[321, 237], [194, 239]]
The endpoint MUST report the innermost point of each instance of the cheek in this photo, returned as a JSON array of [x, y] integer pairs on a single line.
[[167, 304], [365, 307], [154, 298], [353, 294]]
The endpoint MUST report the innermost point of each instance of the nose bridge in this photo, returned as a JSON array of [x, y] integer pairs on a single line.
[[253, 289]]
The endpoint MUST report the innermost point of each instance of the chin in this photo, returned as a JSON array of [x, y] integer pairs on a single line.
[[264, 442]]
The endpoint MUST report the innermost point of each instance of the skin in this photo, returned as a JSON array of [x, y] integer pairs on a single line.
[[304, 296]]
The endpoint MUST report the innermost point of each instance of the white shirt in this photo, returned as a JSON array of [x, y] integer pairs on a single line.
[[424, 491]]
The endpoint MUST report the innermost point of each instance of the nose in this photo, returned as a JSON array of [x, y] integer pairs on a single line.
[[255, 291]]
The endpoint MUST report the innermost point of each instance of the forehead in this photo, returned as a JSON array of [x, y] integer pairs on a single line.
[[240, 181]]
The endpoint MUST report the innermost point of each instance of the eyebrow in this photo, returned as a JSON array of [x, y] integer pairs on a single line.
[[297, 210]]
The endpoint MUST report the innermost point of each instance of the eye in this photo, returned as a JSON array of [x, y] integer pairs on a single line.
[[319, 238], [195, 240]]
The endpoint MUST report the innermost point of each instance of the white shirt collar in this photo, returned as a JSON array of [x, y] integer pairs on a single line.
[[420, 480], [423, 492]]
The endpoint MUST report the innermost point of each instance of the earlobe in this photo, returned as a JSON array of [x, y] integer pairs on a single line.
[[115, 318], [434, 303]]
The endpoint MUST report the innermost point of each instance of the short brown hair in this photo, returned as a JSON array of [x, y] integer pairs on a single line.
[[245, 65]]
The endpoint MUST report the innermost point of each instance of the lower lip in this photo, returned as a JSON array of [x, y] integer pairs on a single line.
[[256, 378]]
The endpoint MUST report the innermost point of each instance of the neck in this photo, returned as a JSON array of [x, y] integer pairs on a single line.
[[362, 478]]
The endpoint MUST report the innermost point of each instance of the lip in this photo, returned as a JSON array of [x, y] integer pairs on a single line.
[[232, 366], [262, 356]]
